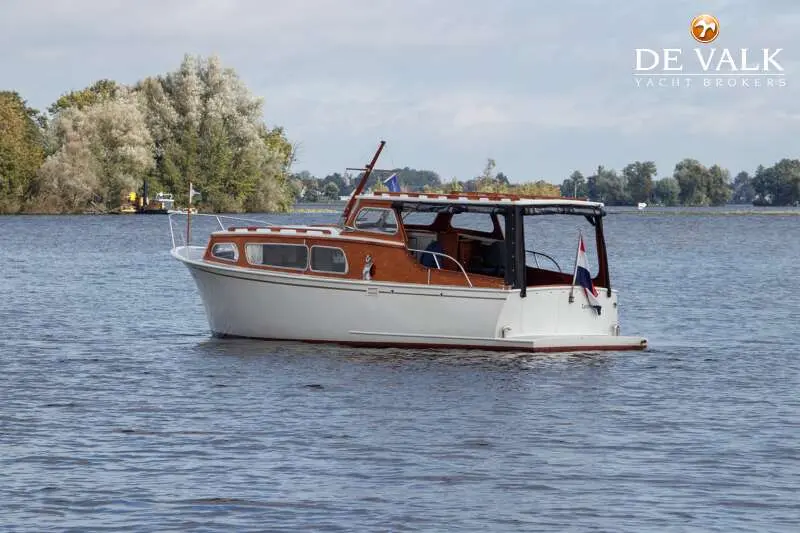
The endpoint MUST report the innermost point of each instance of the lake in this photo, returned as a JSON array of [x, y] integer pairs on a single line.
[[118, 410]]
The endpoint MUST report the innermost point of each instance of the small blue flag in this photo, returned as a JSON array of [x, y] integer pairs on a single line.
[[391, 183]]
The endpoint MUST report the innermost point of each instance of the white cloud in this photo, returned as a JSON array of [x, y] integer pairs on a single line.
[[438, 76]]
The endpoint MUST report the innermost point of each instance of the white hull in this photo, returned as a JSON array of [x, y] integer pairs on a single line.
[[269, 305]]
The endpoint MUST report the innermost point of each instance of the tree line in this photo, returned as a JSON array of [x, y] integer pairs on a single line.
[[308, 188], [200, 123], [691, 184], [93, 146]]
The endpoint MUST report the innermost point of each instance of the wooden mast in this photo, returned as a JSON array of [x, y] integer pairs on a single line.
[[367, 171]]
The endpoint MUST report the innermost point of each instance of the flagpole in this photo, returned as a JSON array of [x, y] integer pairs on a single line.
[[575, 272], [189, 220]]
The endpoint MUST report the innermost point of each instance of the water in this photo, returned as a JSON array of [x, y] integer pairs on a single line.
[[118, 411]]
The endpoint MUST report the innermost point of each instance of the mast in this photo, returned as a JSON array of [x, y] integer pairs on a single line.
[[367, 171]]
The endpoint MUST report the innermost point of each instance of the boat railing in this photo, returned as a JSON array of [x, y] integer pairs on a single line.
[[436, 256], [186, 236]]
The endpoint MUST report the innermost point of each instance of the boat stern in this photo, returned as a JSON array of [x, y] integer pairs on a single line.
[[562, 318]]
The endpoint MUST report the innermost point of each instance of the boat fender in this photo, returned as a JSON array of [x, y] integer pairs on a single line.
[[369, 268]]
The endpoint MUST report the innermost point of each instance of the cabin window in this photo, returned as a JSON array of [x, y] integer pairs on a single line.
[[225, 250], [473, 221], [377, 220], [419, 218], [328, 259], [294, 256]]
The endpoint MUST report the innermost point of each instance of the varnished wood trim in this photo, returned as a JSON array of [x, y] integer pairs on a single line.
[[445, 291]]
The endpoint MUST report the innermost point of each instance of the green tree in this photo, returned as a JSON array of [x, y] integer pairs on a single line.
[[100, 91], [575, 186], [764, 186], [743, 191], [21, 151], [215, 156], [536, 188], [311, 192], [331, 191], [639, 180], [608, 187], [666, 191], [487, 181], [433, 190], [208, 128], [338, 180], [778, 184], [719, 188], [68, 180], [700, 185], [692, 178], [415, 180], [454, 186], [295, 188], [103, 151]]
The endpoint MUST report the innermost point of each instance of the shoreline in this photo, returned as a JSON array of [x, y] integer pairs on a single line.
[[333, 208]]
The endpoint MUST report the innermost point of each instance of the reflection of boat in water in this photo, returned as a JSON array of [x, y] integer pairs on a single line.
[[641, 205], [383, 276]]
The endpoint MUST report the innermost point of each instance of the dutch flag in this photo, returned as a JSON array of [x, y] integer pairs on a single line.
[[584, 278]]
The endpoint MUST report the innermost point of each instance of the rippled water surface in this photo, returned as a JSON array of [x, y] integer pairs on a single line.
[[118, 411]]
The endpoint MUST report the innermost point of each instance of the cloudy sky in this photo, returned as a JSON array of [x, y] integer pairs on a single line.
[[543, 87]]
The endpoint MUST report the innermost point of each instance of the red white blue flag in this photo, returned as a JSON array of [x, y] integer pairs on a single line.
[[584, 278]]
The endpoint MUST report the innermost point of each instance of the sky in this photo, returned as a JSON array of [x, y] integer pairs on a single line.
[[542, 87]]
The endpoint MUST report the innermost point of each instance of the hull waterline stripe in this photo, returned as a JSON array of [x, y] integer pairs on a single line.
[[454, 346]]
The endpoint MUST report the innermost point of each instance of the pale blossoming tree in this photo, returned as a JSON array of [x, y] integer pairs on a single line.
[[199, 123], [104, 151], [208, 128], [67, 180]]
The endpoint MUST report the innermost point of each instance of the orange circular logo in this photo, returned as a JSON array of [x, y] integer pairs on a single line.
[[704, 28]]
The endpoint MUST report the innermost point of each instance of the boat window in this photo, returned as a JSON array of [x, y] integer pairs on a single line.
[[473, 221], [225, 250], [294, 256], [328, 259], [551, 242], [377, 220], [419, 218]]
